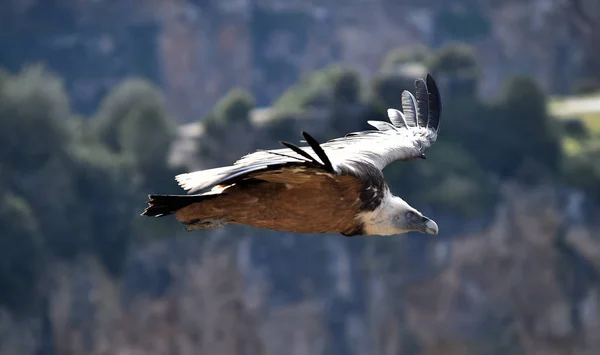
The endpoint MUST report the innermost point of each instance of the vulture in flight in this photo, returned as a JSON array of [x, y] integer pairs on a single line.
[[333, 187]]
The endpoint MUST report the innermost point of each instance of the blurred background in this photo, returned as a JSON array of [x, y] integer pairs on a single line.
[[103, 101]]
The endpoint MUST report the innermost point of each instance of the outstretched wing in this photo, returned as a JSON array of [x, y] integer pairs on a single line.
[[290, 165], [408, 135]]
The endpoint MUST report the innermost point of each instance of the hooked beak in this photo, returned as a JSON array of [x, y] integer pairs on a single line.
[[428, 226]]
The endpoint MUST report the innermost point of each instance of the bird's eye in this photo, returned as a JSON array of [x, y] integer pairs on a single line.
[[410, 215]]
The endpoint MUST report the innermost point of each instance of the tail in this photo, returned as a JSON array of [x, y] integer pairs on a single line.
[[163, 205]]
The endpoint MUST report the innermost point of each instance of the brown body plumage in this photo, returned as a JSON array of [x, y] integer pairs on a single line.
[[287, 200]]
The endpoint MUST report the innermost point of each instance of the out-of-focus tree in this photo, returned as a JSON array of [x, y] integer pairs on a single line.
[[451, 180], [315, 90], [227, 125], [121, 102], [455, 67], [346, 106], [386, 89], [346, 86], [235, 107], [73, 187], [35, 138], [399, 57], [282, 126], [34, 108], [108, 201], [520, 129], [146, 135], [20, 253]]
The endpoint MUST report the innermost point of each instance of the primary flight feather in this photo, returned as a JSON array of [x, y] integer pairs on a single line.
[[334, 187]]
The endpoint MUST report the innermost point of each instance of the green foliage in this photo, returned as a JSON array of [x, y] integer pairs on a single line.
[[405, 55], [34, 108], [468, 122], [234, 107], [503, 136], [306, 93], [386, 89], [456, 66], [345, 86], [282, 126], [453, 58], [522, 128], [586, 86], [107, 201], [232, 112], [322, 88], [121, 102], [583, 171], [55, 204], [147, 133], [574, 128], [450, 179], [20, 252], [73, 186]]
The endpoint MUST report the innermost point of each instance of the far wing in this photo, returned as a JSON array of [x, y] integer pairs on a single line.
[[410, 133], [292, 165]]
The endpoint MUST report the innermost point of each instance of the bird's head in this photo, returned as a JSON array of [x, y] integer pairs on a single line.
[[411, 220], [395, 216]]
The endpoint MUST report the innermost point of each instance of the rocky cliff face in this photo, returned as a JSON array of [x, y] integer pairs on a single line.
[[527, 283], [198, 50]]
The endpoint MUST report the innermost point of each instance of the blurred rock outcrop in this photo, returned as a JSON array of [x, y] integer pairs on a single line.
[[199, 50]]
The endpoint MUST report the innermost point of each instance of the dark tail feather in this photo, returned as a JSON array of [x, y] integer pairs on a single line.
[[163, 205]]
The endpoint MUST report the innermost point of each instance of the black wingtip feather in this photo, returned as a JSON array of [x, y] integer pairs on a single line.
[[289, 156], [318, 150], [299, 151], [435, 104]]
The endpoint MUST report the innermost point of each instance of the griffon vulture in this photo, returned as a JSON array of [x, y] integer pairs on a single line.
[[334, 187]]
